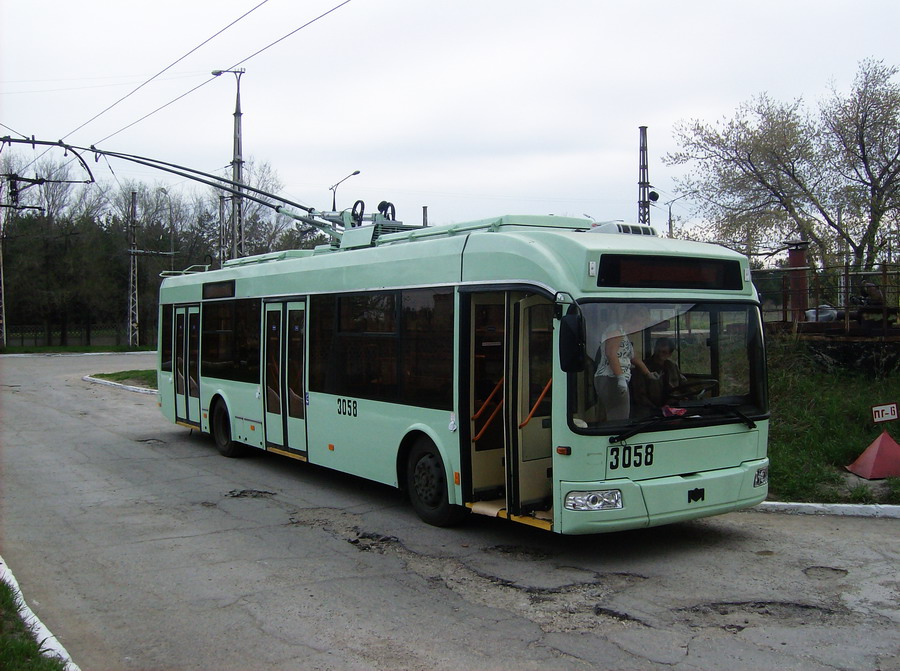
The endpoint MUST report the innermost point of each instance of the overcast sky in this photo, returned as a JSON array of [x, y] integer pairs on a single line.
[[474, 108]]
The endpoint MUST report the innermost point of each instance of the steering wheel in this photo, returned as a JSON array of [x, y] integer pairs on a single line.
[[693, 388]]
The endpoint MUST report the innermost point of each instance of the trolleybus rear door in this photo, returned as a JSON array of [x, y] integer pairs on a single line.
[[529, 451], [187, 365]]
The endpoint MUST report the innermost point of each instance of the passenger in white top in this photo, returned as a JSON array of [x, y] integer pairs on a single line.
[[615, 359]]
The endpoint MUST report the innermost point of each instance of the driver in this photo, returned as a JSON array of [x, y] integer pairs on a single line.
[[653, 392]]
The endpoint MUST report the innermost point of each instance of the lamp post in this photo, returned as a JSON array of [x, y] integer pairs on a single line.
[[671, 224], [165, 192], [237, 163], [333, 189]]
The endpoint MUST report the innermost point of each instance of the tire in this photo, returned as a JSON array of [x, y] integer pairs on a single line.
[[221, 431], [426, 482]]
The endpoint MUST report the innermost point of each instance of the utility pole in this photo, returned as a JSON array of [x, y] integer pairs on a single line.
[[237, 164], [133, 330], [3, 224], [223, 236]]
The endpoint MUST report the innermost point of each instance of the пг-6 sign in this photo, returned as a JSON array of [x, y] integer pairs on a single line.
[[886, 412]]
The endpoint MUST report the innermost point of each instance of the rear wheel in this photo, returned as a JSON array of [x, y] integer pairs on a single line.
[[426, 482], [221, 430]]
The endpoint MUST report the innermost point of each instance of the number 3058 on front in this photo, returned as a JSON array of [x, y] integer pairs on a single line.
[[629, 456]]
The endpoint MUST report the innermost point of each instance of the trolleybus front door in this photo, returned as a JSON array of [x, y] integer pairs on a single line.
[[284, 378], [187, 365], [529, 451], [487, 370]]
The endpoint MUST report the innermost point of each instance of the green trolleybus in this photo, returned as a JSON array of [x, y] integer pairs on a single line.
[[550, 371]]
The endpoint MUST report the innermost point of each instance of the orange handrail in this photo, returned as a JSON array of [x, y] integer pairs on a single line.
[[489, 399], [537, 403], [488, 422]]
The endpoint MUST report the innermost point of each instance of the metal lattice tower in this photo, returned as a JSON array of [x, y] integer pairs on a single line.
[[2, 286], [643, 181], [133, 330]]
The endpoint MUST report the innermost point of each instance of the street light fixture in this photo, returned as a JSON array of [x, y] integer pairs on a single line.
[[333, 189], [669, 203], [237, 163], [165, 192]]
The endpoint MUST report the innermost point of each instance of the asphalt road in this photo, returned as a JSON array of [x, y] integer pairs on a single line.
[[141, 548]]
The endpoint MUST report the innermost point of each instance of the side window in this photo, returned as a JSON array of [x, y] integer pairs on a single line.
[[230, 340], [387, 346], [367, 336], [426, 349], [322, 344], [165, 338]]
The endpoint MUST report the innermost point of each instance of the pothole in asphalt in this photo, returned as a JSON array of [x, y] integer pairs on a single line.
[[249, 494], [824, 572], [575, 606], [736, 616], [519, 552]]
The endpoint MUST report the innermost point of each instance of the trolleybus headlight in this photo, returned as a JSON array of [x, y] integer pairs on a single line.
[[762, 477], [604, 499]]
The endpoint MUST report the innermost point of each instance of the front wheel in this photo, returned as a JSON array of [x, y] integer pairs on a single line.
[[426, 482], [221, 430]]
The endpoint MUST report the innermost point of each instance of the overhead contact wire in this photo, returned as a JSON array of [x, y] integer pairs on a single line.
[[168, 67], [240, 62]]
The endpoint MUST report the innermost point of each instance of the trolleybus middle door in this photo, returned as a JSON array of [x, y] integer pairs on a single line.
[[294, 402], [272, 376], [284, 377]]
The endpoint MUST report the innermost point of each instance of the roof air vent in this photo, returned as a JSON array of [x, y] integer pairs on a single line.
[[628, 229]]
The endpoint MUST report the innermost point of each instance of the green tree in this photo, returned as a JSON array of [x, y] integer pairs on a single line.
[[775, 171]]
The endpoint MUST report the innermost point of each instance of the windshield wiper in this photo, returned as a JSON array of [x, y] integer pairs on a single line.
[[639, 428], [660, 419], [733, 409]]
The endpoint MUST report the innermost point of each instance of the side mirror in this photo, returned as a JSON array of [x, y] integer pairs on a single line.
[[571, 343]]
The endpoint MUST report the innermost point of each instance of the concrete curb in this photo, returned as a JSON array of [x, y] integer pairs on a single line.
[[110, 383], [838, 509], [50, 646]]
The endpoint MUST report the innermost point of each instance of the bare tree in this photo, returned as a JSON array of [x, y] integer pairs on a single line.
[[774, 171]]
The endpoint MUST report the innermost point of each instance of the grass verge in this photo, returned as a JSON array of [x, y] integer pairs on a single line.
[[821, 422], [135, 378], [19, 650]]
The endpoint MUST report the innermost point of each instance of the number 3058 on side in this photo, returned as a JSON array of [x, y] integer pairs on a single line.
[[630, 456]]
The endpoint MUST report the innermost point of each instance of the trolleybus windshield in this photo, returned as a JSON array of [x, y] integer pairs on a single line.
[[695, 361]]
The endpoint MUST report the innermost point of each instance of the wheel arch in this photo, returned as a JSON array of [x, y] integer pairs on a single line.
[[412, 436], [217, 397]]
